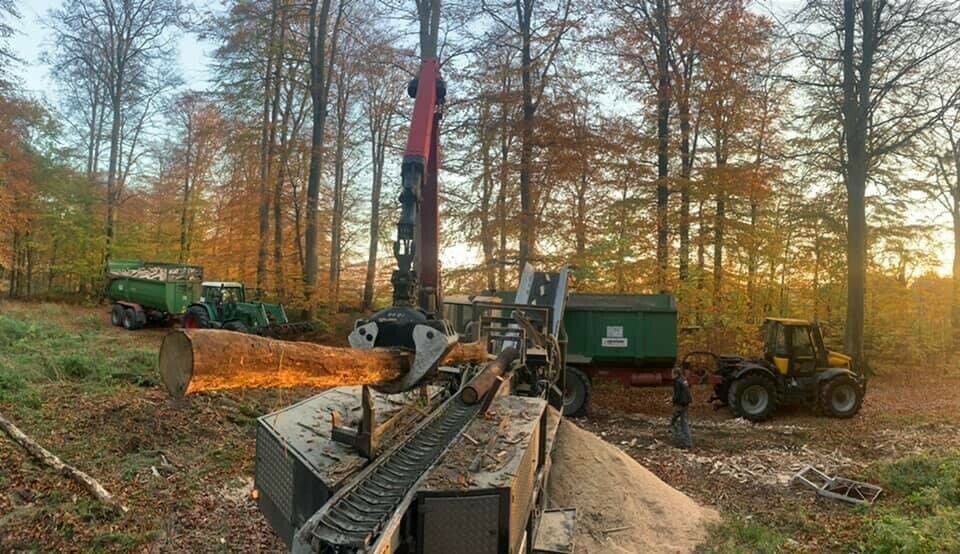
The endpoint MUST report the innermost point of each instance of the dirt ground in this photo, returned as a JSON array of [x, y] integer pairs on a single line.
[[185, 468], [742, 468]]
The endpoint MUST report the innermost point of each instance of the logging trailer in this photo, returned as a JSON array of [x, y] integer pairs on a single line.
[[155, 291], [439, 459]]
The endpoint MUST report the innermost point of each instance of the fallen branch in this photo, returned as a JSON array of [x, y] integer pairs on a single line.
[[50, 460]]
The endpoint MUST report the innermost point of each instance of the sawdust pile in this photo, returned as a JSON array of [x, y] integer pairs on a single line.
[[622, 508]]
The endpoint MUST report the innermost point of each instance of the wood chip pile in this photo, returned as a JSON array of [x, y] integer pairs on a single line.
[[622, 508]]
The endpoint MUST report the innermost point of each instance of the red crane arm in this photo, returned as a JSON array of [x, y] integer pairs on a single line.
[[416, 282]]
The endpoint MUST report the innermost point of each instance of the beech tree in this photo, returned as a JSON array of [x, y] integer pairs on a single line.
[[871, 65], [129, 46]]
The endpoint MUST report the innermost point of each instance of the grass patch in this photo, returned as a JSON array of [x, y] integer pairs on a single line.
[[34, 350], [736, 534], [921, 512], [125, 542]]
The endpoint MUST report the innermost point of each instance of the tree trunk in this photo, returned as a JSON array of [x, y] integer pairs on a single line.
[[955, 304], [279, 284], [379, 131], [502, 198], [701, 260], [528, 220], [752, 259], [112, 174], [318, 98], [339, 187], [200, 360], [856, 105], [185, 206], [686, 168], [267, 134], [718, 229], [663, 138]]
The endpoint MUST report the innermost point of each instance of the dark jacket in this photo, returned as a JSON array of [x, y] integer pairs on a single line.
[[681, 392]]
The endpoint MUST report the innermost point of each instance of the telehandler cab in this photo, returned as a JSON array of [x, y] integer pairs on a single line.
[[796, 368]]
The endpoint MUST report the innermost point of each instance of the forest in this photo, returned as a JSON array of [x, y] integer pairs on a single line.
[[751, 158]]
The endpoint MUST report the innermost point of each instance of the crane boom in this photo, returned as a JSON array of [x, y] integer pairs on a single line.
[[413, 321], [416, 281]]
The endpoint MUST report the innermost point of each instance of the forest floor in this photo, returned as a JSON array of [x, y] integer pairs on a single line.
[[89, 392]]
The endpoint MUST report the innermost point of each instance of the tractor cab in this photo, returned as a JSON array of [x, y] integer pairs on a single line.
[[795, 347], [221, 292], [796, 368]]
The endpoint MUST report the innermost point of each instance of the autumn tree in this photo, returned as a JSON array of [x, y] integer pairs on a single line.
[[129, 46], [937, 158], [322, 59], [380, 93], [870, 67], [536, 29], [199, 144]]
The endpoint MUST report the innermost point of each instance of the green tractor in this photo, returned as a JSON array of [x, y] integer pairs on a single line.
[[223, 305]]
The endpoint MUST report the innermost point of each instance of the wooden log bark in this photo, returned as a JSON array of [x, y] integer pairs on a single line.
[[52, 461], [196, 360]]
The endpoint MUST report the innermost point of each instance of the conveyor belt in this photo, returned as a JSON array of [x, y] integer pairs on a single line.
[[354, 517]]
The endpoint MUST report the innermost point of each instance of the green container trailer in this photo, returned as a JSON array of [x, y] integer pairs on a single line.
[[143, 291], [628, 330], [628, 337]]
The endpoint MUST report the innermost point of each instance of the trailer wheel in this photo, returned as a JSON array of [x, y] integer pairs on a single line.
[[576, 393], [116, 315], [196, 318], [753, 397], [129, 319], [841, 397]]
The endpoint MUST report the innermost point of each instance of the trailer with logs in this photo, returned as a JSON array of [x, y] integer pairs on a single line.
[[150, 291], [144, 292]]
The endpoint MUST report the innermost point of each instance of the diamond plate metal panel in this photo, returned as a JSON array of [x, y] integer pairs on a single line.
[[461, 524]]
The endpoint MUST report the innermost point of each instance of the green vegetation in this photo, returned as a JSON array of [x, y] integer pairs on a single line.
[[736, 534], [37, 351], [921, 511]]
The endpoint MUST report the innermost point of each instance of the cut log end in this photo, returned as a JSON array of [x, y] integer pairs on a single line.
[[176, 363]]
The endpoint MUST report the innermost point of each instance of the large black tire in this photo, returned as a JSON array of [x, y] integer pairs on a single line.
[[576, 393], [841, 397], [196, 318], [753, 397], [116, 315], [129, 320]]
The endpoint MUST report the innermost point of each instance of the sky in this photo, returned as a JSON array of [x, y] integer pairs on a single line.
[[195, 58], [33, 38]]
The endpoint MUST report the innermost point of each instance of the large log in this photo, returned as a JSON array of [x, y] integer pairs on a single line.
[[195, 360]]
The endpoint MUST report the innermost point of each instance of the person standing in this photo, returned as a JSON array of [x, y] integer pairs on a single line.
[[682, 398]]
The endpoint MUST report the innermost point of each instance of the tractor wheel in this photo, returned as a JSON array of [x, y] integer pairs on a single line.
[[753, 397], [235, 326], [116, 315], [576, 392], [196, 318], [841, 397], [129, 320]]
